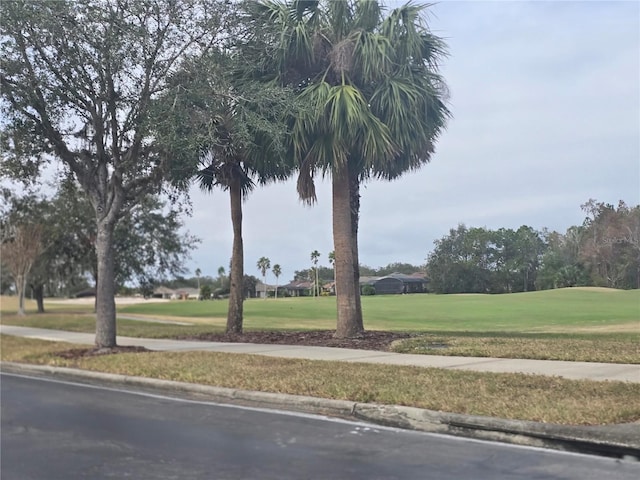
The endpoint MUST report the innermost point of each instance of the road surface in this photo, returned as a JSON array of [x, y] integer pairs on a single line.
[[62, 430]]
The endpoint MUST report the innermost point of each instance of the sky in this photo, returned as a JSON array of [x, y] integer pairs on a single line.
[[545, 99]]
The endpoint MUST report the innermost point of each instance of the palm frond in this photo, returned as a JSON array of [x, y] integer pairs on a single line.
[[406, 31], [372, 57], [305, 185], [207, 178], [376, 102], [340, 15], [221, 174], [367, 15], [302, 7]]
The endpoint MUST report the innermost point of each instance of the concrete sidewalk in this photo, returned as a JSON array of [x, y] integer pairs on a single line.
[[571, 370]]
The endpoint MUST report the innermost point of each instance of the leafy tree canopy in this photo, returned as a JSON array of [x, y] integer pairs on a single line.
[[79, 82], [603, 251], [149, 241]]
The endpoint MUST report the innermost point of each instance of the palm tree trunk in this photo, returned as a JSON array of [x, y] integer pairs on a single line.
[[264, 282], [349, 324], [105, 287], [354, 193], [236, 297]]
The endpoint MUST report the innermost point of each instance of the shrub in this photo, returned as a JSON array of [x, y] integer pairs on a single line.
[[205, 292], [368, 290]]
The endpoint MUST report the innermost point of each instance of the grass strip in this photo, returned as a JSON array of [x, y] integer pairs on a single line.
[[513, 396], [86, 323], [607, 347], [597, 348]]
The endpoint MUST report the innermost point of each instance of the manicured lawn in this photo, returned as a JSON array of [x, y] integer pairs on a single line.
[[516, 396], [564, 310], [599, 325]]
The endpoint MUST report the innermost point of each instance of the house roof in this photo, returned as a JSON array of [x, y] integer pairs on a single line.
[[300, 285], [261, 287], [413, 278], [187, 291], [163, 290]]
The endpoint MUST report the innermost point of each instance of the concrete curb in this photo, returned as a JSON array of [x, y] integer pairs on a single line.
[[621, 441]]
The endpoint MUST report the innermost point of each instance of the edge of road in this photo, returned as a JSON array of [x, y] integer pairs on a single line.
[[620, 441]]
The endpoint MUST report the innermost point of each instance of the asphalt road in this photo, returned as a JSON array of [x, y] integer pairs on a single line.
[[61, 430]]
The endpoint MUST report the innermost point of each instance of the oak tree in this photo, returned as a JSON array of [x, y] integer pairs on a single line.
[[79, 79]]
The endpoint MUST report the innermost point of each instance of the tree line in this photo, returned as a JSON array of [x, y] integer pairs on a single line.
[[603, 251], [326, 274]]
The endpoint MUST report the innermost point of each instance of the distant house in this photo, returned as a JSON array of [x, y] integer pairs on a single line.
[[164, 292], [263, 289], [298, 288], [177, 294], [188, 293], [329, 288], [396, 283]]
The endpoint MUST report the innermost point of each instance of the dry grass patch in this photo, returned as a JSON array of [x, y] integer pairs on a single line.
[[86, 323], [570, 349], [516, 396], [596, 289], [218, 321], [633, 328], [9, 306], [68, 321]]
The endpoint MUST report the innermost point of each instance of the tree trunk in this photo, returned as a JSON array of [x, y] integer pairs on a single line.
[[264, 282], [354, 193], [21, 286], [105, 287], [95, 283], [38, 291], [349, 324], [236, 297]]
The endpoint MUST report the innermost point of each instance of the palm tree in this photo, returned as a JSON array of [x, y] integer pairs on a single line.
[[315, 255], [277, 271], [226, 169], [263, 265], [198, 273], [237, 131], [332, 261], [377, 107]]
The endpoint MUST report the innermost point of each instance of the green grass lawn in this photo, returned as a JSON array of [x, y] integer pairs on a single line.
[[564, 310], [599, 325], [569, 310]]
